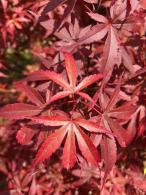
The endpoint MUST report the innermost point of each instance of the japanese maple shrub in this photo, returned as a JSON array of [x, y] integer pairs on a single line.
[[82, 101]]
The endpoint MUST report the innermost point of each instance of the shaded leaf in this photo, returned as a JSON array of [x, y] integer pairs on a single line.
[[110, 54], [86, 146], [51, 5], [108, 154], [118, 131]]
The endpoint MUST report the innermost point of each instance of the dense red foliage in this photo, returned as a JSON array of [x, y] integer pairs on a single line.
[[79, 110]]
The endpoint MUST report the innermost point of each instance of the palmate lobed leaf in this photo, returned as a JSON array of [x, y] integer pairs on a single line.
[[75, 129], [69, 87], [112, 115], [110, 120], [113, 52], [72, 129]]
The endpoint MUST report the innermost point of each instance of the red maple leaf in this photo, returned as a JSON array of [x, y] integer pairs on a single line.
[[70, 88], [71, 129]]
